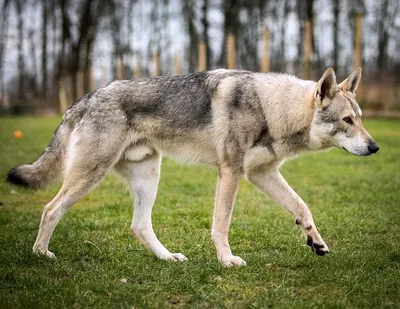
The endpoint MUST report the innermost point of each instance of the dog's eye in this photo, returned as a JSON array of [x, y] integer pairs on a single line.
[[348, 120]]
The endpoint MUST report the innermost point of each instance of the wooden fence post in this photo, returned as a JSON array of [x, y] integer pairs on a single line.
[[307, 50], [202, 61], [120, 68], [92, 80], [266, 56], [62, 96], [177, 63], [79, 84], [231, 51], [68, 86], [156, 64], [104, 78], [65, 92], [138, 71]]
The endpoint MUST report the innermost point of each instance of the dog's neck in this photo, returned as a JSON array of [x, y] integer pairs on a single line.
[[290, 99]]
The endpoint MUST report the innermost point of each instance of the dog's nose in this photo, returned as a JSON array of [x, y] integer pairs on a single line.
[[373, 147]]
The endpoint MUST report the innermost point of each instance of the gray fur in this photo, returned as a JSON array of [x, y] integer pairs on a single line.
[[265, 140], [47, 168], [244, 123]]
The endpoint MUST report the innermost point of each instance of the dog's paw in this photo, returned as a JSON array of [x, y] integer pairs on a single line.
[[45, 253], [232, 260], [174, 257], [179, 257], [319, 247]]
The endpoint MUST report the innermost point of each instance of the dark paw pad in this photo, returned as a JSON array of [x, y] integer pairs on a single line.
[[317, 248], [321, 252], [309, 241]]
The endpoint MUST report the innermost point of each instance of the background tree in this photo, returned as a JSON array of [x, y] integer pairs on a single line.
[[189, 15], [44, 46], [19, 7], [205, 36], [69, 36], [5, 7], [231, 24], [335, 30], [385, 18]]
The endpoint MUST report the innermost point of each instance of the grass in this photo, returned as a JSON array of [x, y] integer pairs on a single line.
[[354, 200]]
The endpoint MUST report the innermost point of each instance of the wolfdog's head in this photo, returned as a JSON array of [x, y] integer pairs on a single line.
[[337, 119]]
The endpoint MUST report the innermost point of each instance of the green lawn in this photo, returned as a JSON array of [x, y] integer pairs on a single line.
[[354, 200]]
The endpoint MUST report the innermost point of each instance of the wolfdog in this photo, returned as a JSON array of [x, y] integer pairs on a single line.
[[244, 123]]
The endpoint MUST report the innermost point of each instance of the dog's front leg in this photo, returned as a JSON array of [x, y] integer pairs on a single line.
[[227, 186], [272, 183]]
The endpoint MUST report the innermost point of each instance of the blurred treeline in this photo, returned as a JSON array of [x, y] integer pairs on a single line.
[[55, 50]]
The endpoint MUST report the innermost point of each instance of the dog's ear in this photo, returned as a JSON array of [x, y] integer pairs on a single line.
[[326, 88], [351, 82]]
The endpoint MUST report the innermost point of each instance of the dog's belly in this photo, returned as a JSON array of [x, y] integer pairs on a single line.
[[193, 152], [190, 153], [138, 152]]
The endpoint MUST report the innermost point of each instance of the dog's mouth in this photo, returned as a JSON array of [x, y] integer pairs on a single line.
[[356, 154]]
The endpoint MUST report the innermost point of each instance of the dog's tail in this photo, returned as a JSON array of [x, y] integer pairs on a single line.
[[50, 165], [45, 169]]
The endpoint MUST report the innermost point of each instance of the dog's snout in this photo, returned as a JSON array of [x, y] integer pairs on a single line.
[[373, 147]]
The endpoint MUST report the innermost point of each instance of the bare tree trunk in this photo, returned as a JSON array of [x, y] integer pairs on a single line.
[[383, 36], [165, 41], [44, 47], [65, 37], [53, 15], [85, 20], [231, 10], [129, 26], [205, 38], [19, 5], [90, 13], [88, 64], [336, 47], [301, 17], [116, 27], [357, 41], [249, 36], [3, 40], [32, 47], [189, 16], [310, 18], [285, 13]]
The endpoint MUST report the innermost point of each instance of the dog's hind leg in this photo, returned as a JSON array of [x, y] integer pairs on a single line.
[[143, 178], [86, 166], [272, 183], [70, 193]]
